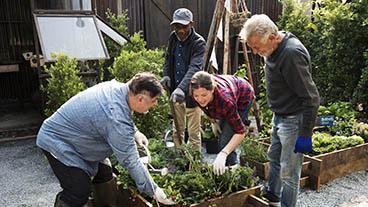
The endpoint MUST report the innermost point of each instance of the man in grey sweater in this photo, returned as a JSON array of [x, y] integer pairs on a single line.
[[292, 96]]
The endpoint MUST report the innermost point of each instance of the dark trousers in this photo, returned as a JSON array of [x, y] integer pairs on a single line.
[[75, 182], [227, 133]]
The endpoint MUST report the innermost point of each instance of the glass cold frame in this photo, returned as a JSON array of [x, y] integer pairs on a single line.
[[77, 36]]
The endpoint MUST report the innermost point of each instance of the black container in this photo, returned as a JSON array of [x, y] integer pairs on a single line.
[[212, 146]]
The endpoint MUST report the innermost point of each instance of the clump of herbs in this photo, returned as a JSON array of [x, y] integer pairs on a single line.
[[198, 182], [253, 150]]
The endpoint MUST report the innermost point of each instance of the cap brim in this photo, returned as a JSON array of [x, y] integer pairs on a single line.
[[183, 22]]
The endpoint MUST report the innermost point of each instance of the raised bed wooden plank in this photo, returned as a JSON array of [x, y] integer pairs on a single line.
[[254, 201], [260, 169], [235, 199], [343, 162], [313, 171], [128, 199], [310, 171]]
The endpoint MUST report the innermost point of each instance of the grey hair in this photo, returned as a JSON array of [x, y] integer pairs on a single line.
[[258, 25]]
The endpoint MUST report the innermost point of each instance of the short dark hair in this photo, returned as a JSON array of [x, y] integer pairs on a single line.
[[202, 79], [145, 82]]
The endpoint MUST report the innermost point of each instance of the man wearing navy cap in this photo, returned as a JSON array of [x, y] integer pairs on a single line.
[[184, 57]]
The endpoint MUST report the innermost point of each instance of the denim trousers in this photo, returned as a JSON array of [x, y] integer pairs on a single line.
[[76, 183], [227, 133], [285, 165]]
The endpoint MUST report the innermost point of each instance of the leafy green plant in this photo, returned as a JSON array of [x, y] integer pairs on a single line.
[[62, 84], [135, 58], [198, 183], [344, 110], [361, 129], [207, 133], [360, 96], [253, 150], [119, 23], [324, 143]]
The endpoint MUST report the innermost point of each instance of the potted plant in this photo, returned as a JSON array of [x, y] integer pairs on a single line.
[[209, 138]]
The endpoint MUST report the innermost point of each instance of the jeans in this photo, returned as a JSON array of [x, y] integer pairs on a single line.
[[285, 165], [76, 183], [226, 134]]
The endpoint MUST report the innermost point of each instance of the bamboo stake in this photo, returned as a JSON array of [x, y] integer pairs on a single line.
[[219, 9], [227, 60]]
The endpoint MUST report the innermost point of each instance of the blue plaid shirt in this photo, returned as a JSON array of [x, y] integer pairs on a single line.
[[93, 125]]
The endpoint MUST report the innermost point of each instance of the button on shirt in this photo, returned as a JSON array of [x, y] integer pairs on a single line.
[[232, 96], [180, 68], [92, 126]]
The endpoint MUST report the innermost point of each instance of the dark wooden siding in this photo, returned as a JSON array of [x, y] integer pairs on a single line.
[[16, 33], [103, 6], [135, 14], [16, 37], [159, 15], [153, 16], [273, 8]]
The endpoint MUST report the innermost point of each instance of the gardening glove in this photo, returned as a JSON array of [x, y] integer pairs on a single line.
[[166, 82], [161, 197], [303, 144], [219, 163], [140, 138], [177, 96], [216, 129]]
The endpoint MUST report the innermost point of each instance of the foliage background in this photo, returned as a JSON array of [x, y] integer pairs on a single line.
[[134, 57], [63, 83], [335, 34]]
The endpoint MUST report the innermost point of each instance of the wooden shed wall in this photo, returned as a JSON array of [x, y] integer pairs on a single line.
[[153, 17], [16, 37]]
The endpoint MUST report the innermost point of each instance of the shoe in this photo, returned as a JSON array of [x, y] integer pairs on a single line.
[[271, 199], [271, 202], [59, 202]]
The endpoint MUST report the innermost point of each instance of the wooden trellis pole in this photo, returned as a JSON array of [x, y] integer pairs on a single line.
[[211, 42], [249, 69]]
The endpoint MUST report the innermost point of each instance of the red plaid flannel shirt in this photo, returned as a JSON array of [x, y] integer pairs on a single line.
[[231, 96]]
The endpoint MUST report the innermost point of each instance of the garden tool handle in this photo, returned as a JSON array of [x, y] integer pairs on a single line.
[[147, 153]]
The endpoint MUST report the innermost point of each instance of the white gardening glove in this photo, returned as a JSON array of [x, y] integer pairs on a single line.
[[177, 96], [161, 197], [140, 138], [219, 163], [216, 129]]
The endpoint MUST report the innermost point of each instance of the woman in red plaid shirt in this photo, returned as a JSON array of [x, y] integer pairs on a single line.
[[226, 99]]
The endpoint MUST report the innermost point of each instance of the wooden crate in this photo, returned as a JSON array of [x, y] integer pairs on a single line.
[[247, 197]]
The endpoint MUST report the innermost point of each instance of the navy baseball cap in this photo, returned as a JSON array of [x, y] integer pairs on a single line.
[[182, 16]]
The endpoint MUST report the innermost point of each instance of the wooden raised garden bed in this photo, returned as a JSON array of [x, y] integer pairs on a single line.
[[339, 163], [321, 169], [241, 198], [310, 175]]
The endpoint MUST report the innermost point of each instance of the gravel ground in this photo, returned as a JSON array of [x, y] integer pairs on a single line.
[[26, 180]]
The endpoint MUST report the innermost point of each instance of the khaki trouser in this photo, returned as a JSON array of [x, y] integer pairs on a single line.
[[190, 117]]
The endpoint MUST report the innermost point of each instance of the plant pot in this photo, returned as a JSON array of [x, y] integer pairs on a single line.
[[212, 146]]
